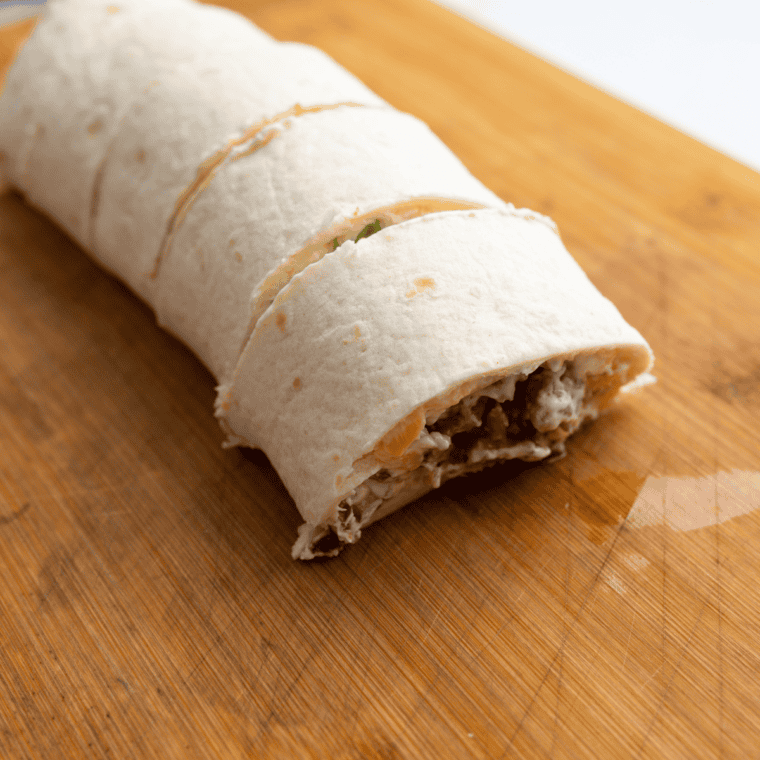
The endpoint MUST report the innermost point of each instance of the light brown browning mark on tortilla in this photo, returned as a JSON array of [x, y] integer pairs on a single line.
[[113, 9], [280, 320], [94, 127], [211, 165], [421, 284], [356, 336], [140, 156], [297, 383]]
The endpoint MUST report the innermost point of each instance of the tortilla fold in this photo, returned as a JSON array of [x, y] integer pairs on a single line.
[[308, 175], [362, 352]]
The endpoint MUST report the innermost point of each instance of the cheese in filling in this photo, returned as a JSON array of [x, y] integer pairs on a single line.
[[527, 416]]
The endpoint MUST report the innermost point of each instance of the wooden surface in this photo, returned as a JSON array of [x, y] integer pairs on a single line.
[[602, 606]]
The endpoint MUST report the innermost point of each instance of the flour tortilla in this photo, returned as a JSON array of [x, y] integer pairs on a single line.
[[34, 79], [420, 313], [82, 68], [16, 110], [317, 171], [174, 131]]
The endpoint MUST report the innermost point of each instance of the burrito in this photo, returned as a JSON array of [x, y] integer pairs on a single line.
[[377, 320]]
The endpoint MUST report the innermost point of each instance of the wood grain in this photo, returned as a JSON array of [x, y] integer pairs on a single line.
[[148, 603]]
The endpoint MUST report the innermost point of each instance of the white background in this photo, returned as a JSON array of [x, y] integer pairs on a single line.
[[692, 63]]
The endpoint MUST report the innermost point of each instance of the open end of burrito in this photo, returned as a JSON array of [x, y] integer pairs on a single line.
[[527, 415], [355, 228]]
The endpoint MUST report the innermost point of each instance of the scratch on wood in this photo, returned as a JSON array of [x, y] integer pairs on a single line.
[[283, 687], [718, 561], [718, 582], [7, 519], [359, 701], [565, 630], [538, 572], [124, 684], [433, 622], [661, 703], [563, 643], [439, 665], [651, 676], [279, 699], [220, 636], [721, 705], [628, 643], [370, 651]]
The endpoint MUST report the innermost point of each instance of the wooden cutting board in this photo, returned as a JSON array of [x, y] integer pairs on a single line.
[[603, 606]]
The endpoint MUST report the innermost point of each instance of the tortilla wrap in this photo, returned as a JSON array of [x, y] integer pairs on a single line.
[[174, 133], [17, 108], [377, 361], [362, 350], [93, 58], [294, 180], [34, 76]]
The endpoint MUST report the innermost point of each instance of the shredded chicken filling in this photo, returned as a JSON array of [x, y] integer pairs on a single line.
[[524, 416]]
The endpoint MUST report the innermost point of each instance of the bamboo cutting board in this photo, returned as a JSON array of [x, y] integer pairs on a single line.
[[605, 605]]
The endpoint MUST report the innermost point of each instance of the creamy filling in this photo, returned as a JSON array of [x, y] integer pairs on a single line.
[[526, 416]]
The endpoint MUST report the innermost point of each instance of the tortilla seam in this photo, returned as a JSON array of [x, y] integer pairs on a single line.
[[209, 167], [341, 232]]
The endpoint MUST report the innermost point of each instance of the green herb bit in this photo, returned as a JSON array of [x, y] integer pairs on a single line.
[[335, 244], [370, 229]]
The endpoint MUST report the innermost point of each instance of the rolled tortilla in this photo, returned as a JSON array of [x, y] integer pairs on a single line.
[[17, 125], [321, 174], [86, 62], [430, 349], [174, 135], [389, 342]]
